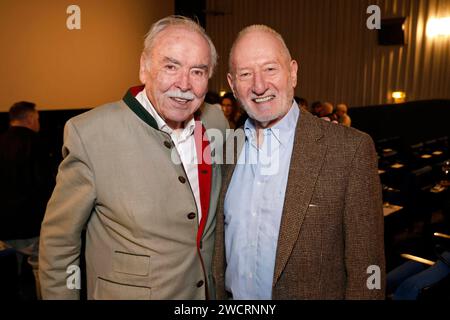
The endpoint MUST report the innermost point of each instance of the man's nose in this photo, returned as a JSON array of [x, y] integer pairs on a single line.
[[259, 84], [184, 83]]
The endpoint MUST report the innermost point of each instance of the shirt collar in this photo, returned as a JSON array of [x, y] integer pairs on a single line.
[[189, 125], [282, 130]]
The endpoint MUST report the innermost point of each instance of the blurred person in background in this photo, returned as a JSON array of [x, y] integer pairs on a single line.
[[230, 109], [342, 116], [25, 186], [302, 103], [316, 106], [326, 112]]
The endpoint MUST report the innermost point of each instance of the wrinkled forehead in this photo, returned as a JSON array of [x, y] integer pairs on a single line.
[[180, 34], [179, 42]]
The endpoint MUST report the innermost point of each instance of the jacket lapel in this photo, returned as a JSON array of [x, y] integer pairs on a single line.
[[307, 157]]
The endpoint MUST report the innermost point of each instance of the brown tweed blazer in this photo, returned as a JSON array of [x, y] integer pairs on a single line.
[[332, 222]]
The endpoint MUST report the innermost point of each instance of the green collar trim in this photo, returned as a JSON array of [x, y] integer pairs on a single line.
[[139, 110]]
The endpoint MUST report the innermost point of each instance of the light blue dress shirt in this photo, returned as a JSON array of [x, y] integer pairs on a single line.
[[253, 207]]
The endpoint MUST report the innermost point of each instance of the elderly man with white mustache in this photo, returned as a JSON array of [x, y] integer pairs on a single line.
[[140, 182]]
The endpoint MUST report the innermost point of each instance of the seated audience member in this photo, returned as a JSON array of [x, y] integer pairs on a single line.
[[407, 281], [316, 106], [302, 103], [229, 108], [212, 98], [24, 178], [326, 112], [235, 115], [343, 117], [240, 117]]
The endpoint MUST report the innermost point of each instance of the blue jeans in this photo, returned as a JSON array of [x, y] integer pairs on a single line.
[[411, 277]]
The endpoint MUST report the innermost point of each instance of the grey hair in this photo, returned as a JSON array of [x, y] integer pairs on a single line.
[[257, 27], [176, 20]]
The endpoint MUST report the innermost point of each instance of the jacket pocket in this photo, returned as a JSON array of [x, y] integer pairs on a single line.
[[111, 290], [129, 263]]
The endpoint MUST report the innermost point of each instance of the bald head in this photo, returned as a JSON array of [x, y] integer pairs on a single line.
[[341, 109], [327, 108], [253, 31]]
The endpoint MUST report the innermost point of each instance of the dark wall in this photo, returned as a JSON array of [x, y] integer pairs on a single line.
[[193, 9], [412, 122]]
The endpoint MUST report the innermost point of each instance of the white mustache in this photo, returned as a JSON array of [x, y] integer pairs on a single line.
[[180, 94]]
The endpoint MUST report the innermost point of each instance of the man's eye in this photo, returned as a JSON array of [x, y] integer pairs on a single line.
[[245, 75], [198, 73], [170, 67]]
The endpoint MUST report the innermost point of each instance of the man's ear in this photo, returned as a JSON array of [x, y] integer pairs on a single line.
[[294, 69], [143, 68]]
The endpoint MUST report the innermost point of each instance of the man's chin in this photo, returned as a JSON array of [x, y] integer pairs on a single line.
[[265, 119], [179, 117], [261, 116]]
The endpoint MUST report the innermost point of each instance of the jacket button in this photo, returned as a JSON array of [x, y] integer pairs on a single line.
[[182, 179], [191, 215], [204, 171], [167, 144], [200, 283]]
